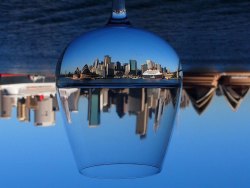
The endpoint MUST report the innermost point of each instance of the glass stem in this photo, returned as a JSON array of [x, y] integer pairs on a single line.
[[119, 14]]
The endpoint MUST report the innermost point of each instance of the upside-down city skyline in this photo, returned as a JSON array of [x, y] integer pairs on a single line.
[[26, 95], [143, 103]]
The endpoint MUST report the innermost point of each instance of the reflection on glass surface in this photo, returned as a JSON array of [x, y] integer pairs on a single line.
[[127, 128], [26, 93]]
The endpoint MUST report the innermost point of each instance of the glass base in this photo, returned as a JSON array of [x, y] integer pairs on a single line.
[[119, 171]]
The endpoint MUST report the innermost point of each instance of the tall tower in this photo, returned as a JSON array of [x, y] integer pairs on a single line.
[[142, 121], [127, 68], [104, 100], [96, 63], [150, 64], [144, 68], [120, 103], [136, 100], [44, 114], [107, 60], [73, 100], [110, 68], [94, 107], [5, 106], [133, 67], [23, 112]]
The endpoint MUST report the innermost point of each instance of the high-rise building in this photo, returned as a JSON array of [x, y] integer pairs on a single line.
[[110, 69], [31, 102], [107, 60], [166, 95], [150, 64], [70, 98], [23, 112], [156, 96], [142, 121], [94, 107], [96, 63], [101, 71], [118, 66], [55, 102], [127, 68], [120, 103], [164, 70], [158, 67], [144, 68], [125, 107], [44, 114], [158, 113], [136, 100], [104, 100], [73, 100], [5, 106], [133, 67], [150, 97], [65, 103]]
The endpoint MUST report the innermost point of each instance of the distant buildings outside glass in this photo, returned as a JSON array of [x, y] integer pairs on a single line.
[[143, 103], [26, 94]]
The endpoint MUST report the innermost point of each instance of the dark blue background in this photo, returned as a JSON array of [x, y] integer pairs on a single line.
[[202, 32]]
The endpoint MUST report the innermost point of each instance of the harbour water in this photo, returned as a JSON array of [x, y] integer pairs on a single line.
[[203, 33]]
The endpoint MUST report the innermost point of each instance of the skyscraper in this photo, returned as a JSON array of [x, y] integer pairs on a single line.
[[158, 113], [73, 100], [142, 121], [144, 68], [118, 66], [104, 100], [32, 102], [133, 67], [96, 63], [55, 102], [120, 103], [150, 64], [136, 100], [94, 107], [127, 68], [101, 71], [110, 68], [107, 60], [5, 106], [23, 112], [158, 67], [44, 114]]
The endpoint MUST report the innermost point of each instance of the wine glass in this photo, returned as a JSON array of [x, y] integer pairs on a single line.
[[120, 88]]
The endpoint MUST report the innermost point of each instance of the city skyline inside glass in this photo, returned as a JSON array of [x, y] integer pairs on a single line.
[[119, 52]]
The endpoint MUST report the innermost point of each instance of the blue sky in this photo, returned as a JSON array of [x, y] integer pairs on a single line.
[[211, 150]]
